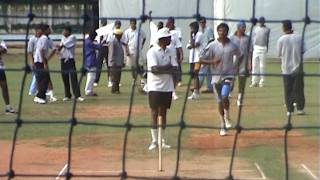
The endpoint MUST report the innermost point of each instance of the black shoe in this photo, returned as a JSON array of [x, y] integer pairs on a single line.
[[207, 91], [92, 94]]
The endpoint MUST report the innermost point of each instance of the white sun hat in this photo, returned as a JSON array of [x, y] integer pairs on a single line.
[[163, 32]]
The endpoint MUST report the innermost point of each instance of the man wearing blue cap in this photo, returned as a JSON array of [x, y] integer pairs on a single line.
[[242, 41], [260, 41]]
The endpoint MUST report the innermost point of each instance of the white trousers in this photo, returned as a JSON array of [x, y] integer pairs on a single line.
[[258, 64], [91, 76]]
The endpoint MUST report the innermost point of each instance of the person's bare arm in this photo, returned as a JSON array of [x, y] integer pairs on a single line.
[[179, 55], [51, 54]]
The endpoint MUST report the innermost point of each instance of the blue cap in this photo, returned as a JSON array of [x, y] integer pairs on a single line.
[[241, 23], [262, 19]]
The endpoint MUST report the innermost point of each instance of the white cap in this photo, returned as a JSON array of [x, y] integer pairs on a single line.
[[163, 32]]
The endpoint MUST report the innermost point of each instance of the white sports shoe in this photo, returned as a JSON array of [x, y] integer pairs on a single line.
[[152, 146], [301, 112], [165, 146], [39, 100], [223, 132], [10, 110], [110, 84], [227, 123], [53, 99], [194, 96], [174, 96], [65, 99], [80, 99]]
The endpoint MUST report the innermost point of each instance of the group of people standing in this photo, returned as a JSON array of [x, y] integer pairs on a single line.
[[41, 50], [216, 60]]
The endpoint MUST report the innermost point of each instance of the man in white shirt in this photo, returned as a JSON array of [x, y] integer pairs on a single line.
[[3, 80], [41, 65], [161, 67], [260, 42], [219, 54], [176, 33], [31, 50], [132, 37], [68, 67], [103, 31], [195, 45], [205, 72], [290, 49]]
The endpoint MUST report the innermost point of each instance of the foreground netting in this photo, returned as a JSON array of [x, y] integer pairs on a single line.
[[72, 122]]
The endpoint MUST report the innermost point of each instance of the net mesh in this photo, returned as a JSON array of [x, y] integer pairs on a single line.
[[182, 125]]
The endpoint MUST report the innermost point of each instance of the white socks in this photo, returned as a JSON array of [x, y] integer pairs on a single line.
[[226, 114], [154, 135]]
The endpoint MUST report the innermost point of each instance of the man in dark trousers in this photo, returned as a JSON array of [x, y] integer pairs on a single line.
[[67, 55], [290, 49]]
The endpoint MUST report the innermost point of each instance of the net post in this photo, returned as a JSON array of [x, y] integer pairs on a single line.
[[160, 143]]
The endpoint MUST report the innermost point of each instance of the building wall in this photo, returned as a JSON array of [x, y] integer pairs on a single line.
[[44, 12]]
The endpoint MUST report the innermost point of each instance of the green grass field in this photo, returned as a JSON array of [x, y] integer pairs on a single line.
[[263, 107]]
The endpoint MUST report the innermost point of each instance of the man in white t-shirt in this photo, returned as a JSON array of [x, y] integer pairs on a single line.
[[290, 49], [131, 36], [219, 54], [102, 34], [68, 66], [195, 45], [3, 80], [41, 57], [31, 50], [161, 67], [176, 33]]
